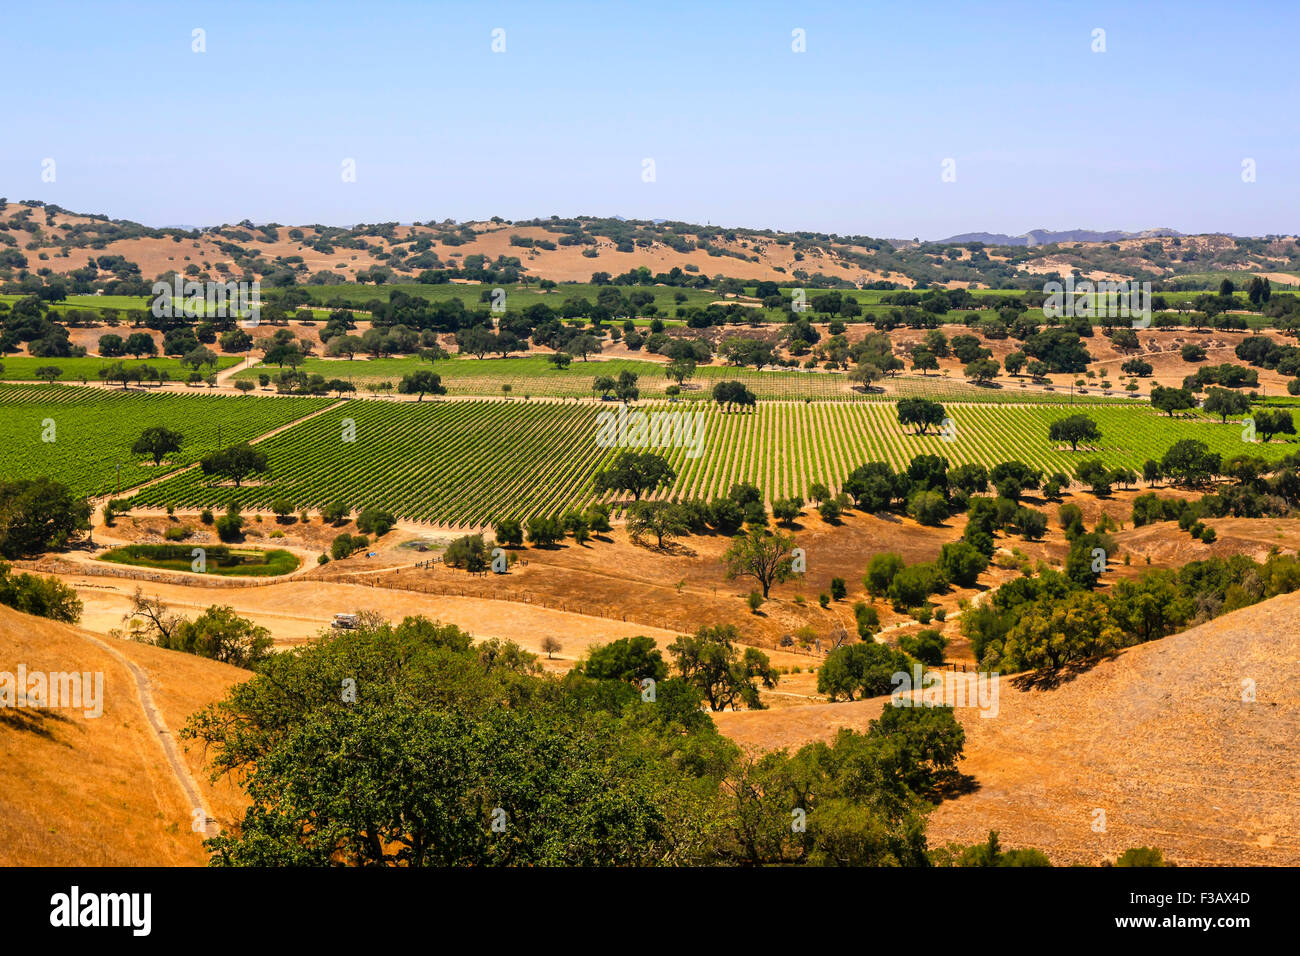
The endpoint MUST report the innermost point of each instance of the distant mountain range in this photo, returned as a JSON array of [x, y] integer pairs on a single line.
[[1039, 237]]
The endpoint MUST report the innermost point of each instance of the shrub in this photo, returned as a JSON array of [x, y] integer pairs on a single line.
[[346, 544], [881, 570], [868, 620], [508, 532], [469, 553], [543, 531], [962, 562], [230, 526], [335, 513], [860, 670], [928, 507], [926, 646], [40, 596], [1071, 520], [375, 521], [1030, 523], [913, 584]]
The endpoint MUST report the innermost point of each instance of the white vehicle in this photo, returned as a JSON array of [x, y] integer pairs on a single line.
[[348, 621]]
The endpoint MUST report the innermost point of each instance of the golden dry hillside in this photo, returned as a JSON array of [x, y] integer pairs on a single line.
[[103, 791], [1161, 738], [571, 250]]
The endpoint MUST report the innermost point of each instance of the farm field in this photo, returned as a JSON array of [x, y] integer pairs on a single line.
[[92, 429], [120, 302], [22, 368], [534, 376], [467, 463]]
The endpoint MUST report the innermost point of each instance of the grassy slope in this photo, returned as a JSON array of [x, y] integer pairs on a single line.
[[1159, 737], [99, 792]]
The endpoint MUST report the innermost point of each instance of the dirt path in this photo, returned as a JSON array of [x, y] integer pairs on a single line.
[[224, 376], [164, 736]]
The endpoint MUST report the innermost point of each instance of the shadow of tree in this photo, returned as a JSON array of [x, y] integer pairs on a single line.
[[675, 548], [1049, 680], [33, 720], [951, 784]]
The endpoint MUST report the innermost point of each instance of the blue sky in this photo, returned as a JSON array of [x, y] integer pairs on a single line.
[[849, 136]]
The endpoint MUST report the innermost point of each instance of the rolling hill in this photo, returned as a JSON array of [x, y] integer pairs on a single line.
[[1158, 737], [84, 249], [104, 791]]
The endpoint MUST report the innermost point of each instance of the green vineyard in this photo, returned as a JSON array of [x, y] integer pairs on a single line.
[[466, 463], [80, 435], [86, 368], [534, 376]]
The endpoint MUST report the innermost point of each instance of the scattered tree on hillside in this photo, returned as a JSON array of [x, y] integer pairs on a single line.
[[765, 556], [157, 441], [663, 519], [1074, 429], [727, 394], [921, 413], [236, 463], [1225, 402], [421, 383], [636, 473], [711, 661]]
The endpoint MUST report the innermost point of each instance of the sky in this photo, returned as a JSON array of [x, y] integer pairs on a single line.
[[896, 120]]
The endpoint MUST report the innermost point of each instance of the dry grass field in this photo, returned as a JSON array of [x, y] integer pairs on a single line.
[[1158, 737], [100, 791]]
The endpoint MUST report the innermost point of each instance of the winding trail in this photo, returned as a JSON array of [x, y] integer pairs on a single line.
[[164, 735]]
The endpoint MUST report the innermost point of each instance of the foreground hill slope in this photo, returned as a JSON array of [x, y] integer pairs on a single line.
[[79, 791], [1159, 738]]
